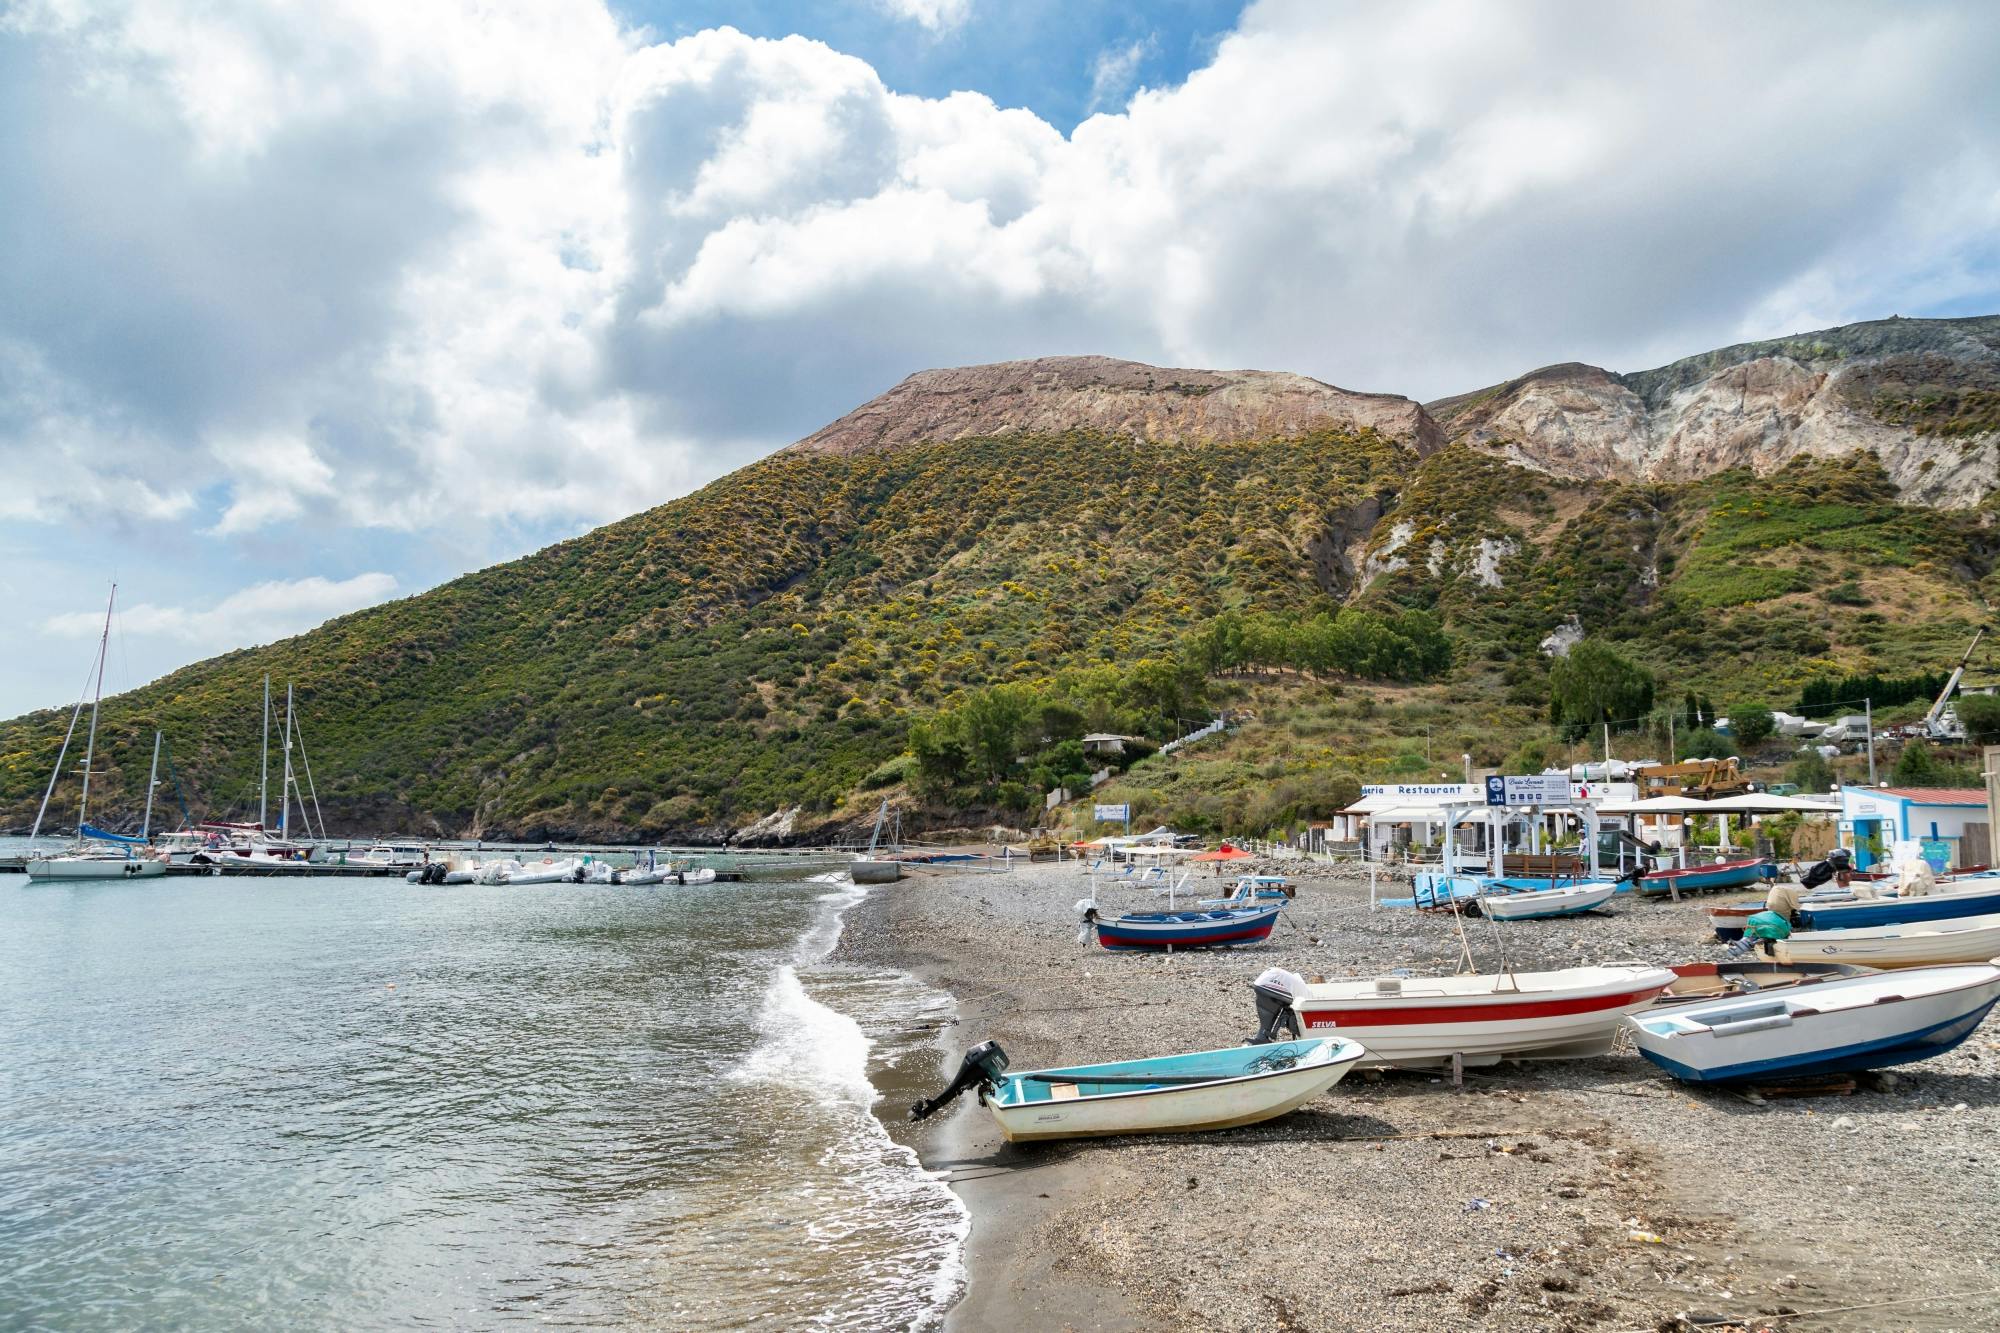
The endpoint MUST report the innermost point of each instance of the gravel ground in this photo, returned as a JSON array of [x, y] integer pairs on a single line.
[[1397, 1202]]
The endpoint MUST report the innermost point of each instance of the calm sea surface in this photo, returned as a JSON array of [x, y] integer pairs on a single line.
[[361, 1103]]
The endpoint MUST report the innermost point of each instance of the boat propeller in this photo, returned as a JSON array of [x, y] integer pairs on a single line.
[[983, 1066]]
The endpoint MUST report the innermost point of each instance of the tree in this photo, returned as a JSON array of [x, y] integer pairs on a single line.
[[939, 751], [1594, 685], [991, 722], [1752, 724], [1705, 744], [1916, 766], [1981, 715], [1811, 772]]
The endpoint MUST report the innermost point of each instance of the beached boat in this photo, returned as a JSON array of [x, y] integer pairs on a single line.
[[1695, 982], [1967, 939], [1832, 1027], [1979, 896], [1421, 1022], [1708, 879], [1212, 929], [1540, 904], [1253, 891], [1174, 1094]]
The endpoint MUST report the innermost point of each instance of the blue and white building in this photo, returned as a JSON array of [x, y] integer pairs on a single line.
[[1949, 823]]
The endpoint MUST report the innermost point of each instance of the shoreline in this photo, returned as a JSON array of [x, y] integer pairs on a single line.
[[1395, 1202]]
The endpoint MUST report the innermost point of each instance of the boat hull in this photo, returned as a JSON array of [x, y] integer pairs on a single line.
[[1542, 904], [1914, 944], [1225, 1103], [92, 868], [1708, 879], [1188, 930], [1757, 1038], [1415, 1027], [1941, 906]]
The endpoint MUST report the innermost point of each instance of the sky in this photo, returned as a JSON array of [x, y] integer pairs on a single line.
[[303, 308]]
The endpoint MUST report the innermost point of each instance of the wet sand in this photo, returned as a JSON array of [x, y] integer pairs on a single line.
[[1396, 1202]]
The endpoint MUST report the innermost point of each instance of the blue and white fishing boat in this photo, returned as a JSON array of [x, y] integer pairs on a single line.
[[1217, 928], [1541, 904], [1174, 1094], [1979, 896], [1815, 1028]]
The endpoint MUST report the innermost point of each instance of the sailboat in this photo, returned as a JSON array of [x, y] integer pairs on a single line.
[[86, 862]]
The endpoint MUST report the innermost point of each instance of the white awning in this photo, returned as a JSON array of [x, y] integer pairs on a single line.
[[1663, 805], [1763, 803]]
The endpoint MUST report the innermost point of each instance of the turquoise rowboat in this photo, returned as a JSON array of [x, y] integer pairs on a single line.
[[1173, 1094]]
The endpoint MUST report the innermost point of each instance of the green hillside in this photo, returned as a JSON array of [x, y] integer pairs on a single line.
[[941, 621], [753, 645]]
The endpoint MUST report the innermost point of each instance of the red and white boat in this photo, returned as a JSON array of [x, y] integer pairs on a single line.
[[1421, 1022]]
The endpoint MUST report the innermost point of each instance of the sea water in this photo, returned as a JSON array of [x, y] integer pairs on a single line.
[[362, 1103]]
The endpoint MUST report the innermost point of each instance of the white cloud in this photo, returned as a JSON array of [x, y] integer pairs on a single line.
[[936, 15], [392, 265], [1116, 69], [257, 614]]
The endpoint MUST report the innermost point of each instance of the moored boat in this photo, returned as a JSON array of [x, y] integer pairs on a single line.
[[1969, 939], [1541, 904], [1839, 1026], [1422, 1022], [545, 871], [1174, 1094]]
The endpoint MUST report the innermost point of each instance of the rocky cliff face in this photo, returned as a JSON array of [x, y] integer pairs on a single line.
[[1054, 394], [1922, 395]]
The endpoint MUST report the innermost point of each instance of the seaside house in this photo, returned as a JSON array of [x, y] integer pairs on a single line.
[[1950, 823]]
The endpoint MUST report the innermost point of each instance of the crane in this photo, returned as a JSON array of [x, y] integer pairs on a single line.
[[1941, 723]]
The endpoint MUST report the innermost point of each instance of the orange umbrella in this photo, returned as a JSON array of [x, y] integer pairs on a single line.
[[1225, 853]]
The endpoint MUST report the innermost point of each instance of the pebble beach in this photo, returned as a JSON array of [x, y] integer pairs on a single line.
[[1564, 1195]]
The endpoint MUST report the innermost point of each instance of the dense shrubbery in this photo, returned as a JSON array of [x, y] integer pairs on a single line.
[[1380, 646], [1845, 693]]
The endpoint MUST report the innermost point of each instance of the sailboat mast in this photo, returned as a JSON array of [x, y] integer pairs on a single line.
[[264, 765], [90, 746], [285, 787], [152, 781]]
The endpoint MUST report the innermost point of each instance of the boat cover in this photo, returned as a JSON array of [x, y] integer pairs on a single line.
[[101, 836]]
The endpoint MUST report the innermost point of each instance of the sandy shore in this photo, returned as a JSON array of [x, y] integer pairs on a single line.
[[1395, 1202]]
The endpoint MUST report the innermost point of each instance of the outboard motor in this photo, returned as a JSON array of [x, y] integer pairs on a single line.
[[982, 1068], [1275, 989]]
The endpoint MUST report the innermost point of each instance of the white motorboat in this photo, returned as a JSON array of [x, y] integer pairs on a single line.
[[1422, 1022], [1539, 904], [391, 855], [1963, 939], [541, 872], [1838, 1026], [1205, 1090]]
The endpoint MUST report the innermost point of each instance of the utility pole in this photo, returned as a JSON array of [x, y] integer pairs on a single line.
[[1868, 707], [1607, 747], [1673, 755]]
